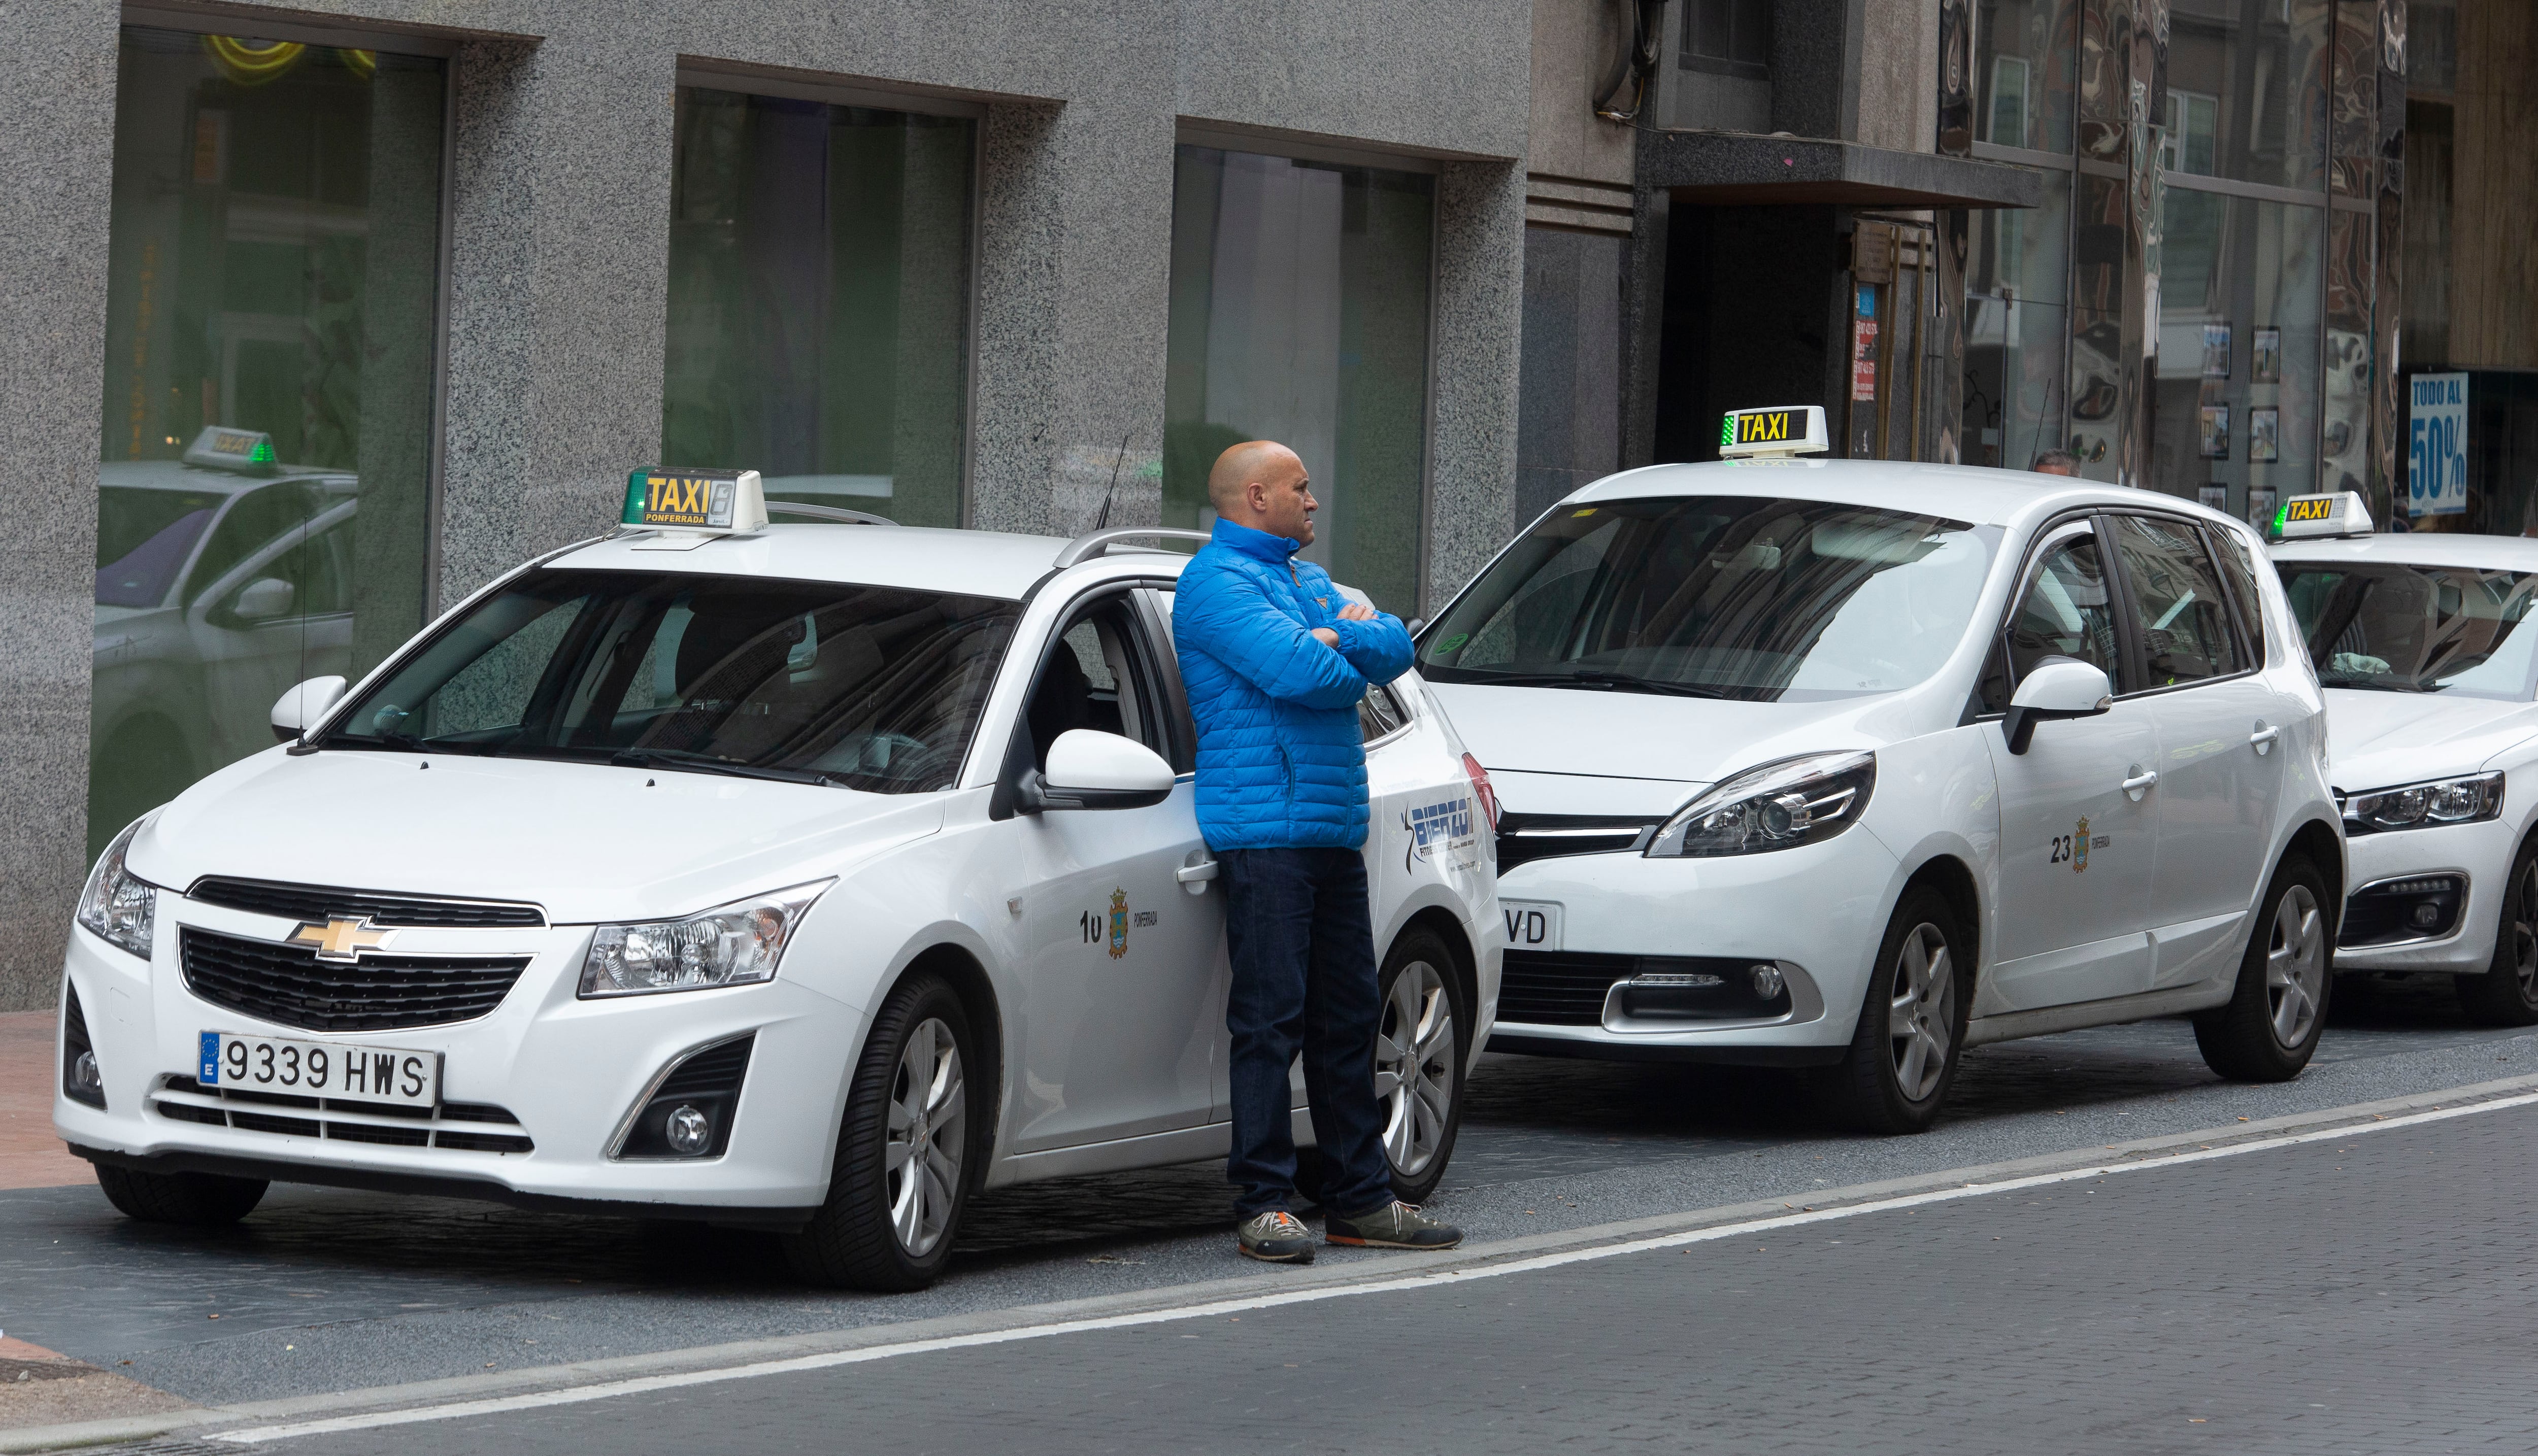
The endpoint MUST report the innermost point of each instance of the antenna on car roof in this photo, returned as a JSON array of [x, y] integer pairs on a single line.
[[1102, 521]]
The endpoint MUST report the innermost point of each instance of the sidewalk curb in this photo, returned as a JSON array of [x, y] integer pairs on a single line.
[[208, 1420]]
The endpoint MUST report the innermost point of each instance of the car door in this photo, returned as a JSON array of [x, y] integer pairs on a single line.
[[2219, 779], [2077, 847], [1123, 1012]]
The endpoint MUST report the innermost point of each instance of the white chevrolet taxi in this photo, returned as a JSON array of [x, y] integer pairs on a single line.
[[2430, 667], [1854, 764], [804, 875]]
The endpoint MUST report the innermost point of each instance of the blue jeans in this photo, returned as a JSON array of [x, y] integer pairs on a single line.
[[1302, 947]]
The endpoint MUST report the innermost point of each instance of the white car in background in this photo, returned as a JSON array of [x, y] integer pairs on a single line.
[[1853, 765], [2429, 661], [808, 876]]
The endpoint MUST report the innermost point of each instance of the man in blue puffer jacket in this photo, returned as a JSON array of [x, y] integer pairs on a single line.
[[1275, 661]]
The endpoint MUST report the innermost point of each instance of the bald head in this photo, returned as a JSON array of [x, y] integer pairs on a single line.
[[1261, 483]]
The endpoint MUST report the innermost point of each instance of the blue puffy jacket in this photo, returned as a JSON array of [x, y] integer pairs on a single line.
[[1281, 764]]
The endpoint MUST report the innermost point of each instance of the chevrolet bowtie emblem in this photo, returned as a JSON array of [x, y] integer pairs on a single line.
[[341, 940]]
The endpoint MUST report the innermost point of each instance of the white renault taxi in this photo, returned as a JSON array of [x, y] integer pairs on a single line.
[[1853, 765], [2430, 667], [802, 876]]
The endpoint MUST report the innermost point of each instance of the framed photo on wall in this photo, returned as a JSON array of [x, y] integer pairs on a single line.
[[2214, 497], [2260, 506], [2265, 364], [2265, 433], [2216, 351], [2215, 433]]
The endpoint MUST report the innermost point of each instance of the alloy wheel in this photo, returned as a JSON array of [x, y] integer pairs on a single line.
[[1921, 1017], [927, 1136], [1414, 1067], [2296, 965], [2524, 931]]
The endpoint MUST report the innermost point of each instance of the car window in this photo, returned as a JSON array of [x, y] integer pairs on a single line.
[[1096, 677], [314, 569], [1760, 599], [252, 522], [2066, 612], [2177, 608], [143, 538], [2241, 575], [872, 688], [1379, 712], [2416, 628]]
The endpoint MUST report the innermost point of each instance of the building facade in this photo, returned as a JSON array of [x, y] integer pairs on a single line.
[[412, 285]]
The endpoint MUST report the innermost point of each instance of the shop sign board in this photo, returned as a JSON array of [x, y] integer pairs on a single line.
[[2437, 445]]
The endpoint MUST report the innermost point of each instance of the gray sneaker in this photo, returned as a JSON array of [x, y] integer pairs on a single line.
[[1277, 1237], [1394, 1225]]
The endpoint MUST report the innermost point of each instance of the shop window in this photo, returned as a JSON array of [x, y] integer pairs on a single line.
[[2247, 85], [819, 300], [2237, 417], [1299, 313], [263, 501], [1732, 37]]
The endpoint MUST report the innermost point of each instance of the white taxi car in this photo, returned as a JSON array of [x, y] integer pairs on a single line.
[[2430, 667], [1853, 765], [808, 876]]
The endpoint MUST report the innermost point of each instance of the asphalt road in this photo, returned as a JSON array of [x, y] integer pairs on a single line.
[[323, 1290]]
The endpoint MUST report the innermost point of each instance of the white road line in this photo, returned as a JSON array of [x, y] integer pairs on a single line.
[[646, 1384]]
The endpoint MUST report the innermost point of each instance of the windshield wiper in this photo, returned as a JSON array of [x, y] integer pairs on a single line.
[[1594, 678], [709, 764]]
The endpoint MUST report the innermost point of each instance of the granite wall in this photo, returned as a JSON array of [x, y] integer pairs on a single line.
[[561, 145]]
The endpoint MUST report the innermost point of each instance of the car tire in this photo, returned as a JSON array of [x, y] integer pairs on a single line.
[[2506, 994], [2269, 1028], [194, 1200], [1914, 1010], [1423, 1107], [905, 1151]]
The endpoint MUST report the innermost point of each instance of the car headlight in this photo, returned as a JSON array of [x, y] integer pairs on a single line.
[[731, 945], [119, 906], [1778, 806], [2424, 805]]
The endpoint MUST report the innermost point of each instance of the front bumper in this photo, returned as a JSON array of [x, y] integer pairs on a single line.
[[2481, 853], [1815, 912], [565, 1071]]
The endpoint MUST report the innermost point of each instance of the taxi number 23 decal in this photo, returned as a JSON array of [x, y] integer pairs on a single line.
[[2073, 848]]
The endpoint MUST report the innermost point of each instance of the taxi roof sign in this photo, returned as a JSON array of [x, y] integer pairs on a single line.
[[241, 451], [2306, 517], [688, 504], [1779, 429]]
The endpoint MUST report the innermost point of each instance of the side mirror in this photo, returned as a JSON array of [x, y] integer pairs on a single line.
[[262, 600], [1095, 771], [1415, 626], [2058, 687], [305, 704]]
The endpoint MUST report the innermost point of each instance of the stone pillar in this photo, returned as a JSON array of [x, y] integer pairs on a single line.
[[56, 164], [1472, 430], [558, 272]]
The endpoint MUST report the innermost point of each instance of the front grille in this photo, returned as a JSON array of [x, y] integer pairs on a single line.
[[1532, 836], [342, 1120], [1566, 988], [288, 985], [322, 901]]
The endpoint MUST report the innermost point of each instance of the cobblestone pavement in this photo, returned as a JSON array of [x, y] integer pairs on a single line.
[[326, 1291], [2370, 1294]]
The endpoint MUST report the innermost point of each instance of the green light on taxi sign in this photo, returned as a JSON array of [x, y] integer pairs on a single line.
[[1726, 429]]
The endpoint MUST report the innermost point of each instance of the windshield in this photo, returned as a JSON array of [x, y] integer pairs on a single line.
[[2400, 629], [1718, 596], [143, 538], [867, 687]]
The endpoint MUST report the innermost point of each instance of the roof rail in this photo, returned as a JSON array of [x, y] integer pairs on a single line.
[[834, 514], [1097, 543]]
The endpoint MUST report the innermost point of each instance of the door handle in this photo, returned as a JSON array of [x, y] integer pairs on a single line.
[[2139, 784], [1194, 877], [2262, 740]]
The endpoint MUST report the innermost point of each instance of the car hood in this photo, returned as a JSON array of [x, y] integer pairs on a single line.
[[1641, 736], [587, 841], [2378, 738]]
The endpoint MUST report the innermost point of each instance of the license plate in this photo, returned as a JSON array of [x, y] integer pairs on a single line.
[[319, 1069], [1531, 925]]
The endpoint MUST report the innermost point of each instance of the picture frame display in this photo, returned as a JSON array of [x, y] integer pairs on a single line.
[[2265, 434], [2265, 361], [2215, 432], [2216, 351]]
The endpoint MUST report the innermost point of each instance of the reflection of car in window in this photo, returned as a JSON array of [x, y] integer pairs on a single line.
[[215, 590]]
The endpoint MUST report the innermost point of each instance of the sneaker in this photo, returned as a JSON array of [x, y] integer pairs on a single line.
[[1277, 1237], [1394, 1225]]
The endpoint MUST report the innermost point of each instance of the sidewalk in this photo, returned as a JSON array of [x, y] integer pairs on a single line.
[[30, 1156]]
